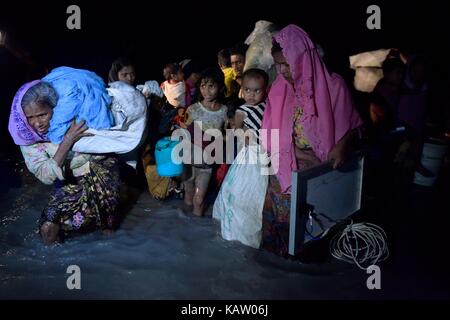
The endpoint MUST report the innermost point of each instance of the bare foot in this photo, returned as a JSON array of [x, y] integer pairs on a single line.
[[108, 232], [49, 233], [198, 212], [189, 198]]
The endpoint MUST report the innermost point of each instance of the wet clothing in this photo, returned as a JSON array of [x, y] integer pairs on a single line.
[[89, 202], [86, 188], [313, 114], [199, 179]]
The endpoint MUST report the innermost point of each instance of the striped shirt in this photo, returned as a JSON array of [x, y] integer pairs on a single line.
[[254, 117]]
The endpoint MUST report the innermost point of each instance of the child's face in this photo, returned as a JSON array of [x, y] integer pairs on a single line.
[[181, 112], [254, 90], [179, 76], [209, 90]]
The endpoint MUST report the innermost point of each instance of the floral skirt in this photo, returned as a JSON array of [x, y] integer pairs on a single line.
[[88, 204], [276, 215]]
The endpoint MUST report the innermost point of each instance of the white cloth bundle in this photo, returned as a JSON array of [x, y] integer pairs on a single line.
[[259, 54], [151, 88], [368, 68], [175, 93], [261, 26], [129, 109]]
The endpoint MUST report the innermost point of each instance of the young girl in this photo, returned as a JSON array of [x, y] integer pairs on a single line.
[[174, 87], [212, 114]]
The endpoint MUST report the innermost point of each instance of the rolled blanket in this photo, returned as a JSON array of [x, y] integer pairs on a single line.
[[81, 94], [129, 110]]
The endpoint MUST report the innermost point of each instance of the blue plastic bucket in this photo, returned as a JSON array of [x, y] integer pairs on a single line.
[[165, 167]]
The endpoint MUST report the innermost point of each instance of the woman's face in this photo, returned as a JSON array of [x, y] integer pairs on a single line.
[[127, 75], [282, 66], [38, 116]]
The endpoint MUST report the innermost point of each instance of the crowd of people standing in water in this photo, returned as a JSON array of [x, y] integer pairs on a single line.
[[275, 81]]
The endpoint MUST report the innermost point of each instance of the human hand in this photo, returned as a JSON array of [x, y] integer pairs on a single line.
[[343, 149], [76, 132], [306, 157], [403, 157], [338, 155], [146, 94]]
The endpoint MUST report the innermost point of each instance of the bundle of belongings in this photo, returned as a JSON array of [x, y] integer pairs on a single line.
[[368, 67], [159, 187], [259, 53], [115, 115], [150, 88]]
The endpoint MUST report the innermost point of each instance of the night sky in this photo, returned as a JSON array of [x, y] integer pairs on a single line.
[[171, 31]]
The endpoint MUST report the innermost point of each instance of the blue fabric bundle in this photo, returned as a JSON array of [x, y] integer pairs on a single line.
[[81, 94]]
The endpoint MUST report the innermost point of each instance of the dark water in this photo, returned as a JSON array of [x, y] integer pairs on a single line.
[[159, 253]]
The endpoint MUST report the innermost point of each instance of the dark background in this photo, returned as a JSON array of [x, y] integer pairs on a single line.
[[155, 33]]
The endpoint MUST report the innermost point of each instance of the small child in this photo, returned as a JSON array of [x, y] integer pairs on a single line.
[[244, 189], [212, 114], [180, 118], [254, 89], [174, 87]]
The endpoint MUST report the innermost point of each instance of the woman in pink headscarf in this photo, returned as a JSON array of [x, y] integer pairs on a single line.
[[316, 119]]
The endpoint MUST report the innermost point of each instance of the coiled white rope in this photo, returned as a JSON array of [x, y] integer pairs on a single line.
[[361, 244]]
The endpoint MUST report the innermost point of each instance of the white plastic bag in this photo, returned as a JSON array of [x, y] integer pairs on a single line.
[[240, 202], [129, 109]]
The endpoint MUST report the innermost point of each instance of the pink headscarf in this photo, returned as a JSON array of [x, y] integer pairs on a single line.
[[21, 132], [328, 111]]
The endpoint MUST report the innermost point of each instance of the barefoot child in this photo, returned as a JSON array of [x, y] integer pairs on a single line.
[[211, 113]]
